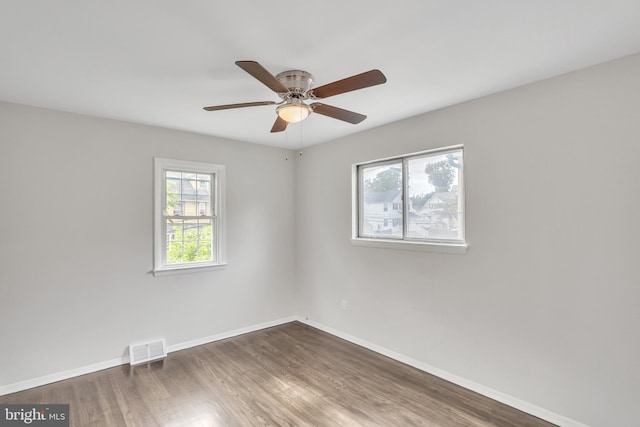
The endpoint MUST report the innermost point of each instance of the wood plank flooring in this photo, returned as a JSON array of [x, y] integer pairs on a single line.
[[289, 375]]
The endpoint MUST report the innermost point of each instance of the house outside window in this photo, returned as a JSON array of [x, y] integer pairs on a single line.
[[425, 191], [189, 216]]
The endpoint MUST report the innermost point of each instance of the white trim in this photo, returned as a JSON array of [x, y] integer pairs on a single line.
[[412, 244], [64, 375], [355, 202], [514, 402], [219, 214], [408, 245], [230, 334], [71, 373], [417, 153], [190, 269]]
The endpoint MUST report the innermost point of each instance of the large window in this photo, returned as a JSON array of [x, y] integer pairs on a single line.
[[417, 198], [189, 215]]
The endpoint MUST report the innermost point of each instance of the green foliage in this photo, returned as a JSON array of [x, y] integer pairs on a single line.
[[173, 197], [387, 180], [189, 245], [440, 175]]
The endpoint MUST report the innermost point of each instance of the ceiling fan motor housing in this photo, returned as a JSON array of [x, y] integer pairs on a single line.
[[297, 81]]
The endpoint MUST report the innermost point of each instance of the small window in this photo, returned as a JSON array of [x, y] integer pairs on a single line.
[[189, 215], [425, 191]]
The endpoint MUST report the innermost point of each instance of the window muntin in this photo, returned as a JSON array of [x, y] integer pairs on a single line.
[[433, 209], [189, 215]]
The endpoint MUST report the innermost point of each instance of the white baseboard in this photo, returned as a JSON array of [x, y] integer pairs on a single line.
[[230, 334], [529, 408], [64, 375], [516, 403], [59, 376]]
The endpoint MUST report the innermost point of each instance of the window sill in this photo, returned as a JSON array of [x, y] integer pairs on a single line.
[[443, 248], [184, 270]]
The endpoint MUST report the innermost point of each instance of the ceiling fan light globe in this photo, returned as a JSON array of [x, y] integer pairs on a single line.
[[293, 113]]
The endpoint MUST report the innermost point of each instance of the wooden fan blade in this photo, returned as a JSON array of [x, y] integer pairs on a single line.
[[246, 104], [359, 81], [260, 73], [279, 125], [337, 113]]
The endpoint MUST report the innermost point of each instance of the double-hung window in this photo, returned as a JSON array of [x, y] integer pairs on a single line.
[[426, 191], [189, 223]]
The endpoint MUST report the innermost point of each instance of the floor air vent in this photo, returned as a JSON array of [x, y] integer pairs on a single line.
[[147, 351]]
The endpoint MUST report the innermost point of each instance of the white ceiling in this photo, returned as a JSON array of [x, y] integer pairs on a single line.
[[159, 62]]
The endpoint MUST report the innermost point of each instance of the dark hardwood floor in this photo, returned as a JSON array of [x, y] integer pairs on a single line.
[[289, 375]]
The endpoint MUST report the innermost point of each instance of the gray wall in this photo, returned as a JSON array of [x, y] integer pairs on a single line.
[[544, 306], [76, 243]]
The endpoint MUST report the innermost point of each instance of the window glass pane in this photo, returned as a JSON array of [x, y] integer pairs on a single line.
[[203, 194], [382, 201], [204, 184], [172, 197], [435, 196], [189, 240], [188, 194], [174, 240], [190, 230], [205, 251]]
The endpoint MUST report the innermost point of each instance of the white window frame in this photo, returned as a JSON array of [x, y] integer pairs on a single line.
[[406, 243], [218, 187]]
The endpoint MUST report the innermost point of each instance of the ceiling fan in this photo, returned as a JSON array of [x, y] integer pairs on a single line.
[[295, 86]]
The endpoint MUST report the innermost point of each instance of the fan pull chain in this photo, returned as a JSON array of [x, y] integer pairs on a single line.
[[300, 143]]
